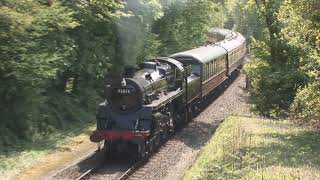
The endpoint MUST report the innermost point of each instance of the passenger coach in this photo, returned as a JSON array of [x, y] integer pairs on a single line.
[[214, 62]]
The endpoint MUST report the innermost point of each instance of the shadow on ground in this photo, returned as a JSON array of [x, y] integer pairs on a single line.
[[292, 149], [50, 142]]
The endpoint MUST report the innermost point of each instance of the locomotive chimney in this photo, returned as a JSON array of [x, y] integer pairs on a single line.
[[129, 71]]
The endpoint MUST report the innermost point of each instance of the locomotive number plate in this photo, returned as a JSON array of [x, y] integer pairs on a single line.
[[124, 91]]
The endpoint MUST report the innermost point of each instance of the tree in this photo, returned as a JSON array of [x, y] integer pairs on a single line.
[[244, 17], [185, 24], [269, 10], [27, 61], [301, 30]]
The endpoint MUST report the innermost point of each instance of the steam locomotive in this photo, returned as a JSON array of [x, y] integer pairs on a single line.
[[159, 95]]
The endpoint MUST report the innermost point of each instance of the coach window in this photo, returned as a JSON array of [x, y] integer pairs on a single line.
[[221, 64], [205, 72], [196, 69], [215, 66], [218, 65], [210, 69]]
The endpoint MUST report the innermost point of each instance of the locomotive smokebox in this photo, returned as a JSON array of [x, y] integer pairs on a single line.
[[125, 95]]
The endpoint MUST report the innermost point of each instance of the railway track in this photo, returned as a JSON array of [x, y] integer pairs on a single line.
[[126, 174], [87, 173], [90, 172], [79, 172]]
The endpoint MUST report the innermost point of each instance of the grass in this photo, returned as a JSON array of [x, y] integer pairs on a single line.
[[26, 153], [249, 148]]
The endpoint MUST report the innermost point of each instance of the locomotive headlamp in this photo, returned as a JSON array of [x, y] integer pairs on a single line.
[[123, 83], [96, 137]]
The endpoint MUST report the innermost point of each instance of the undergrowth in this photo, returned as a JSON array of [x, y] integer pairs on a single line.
[[26, 153], [49, 127], [247, 148]]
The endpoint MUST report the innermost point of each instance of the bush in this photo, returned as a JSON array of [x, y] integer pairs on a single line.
[[306, 106], [273, 88]]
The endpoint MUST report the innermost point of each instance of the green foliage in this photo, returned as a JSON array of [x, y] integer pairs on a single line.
[[43, 47], [284, 49], [273, 88], [184, 25], [302, 31], [245, 18], [27, 61], [306, 109]]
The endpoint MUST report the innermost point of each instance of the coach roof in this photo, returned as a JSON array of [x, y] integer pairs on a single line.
[[233, 43], [202, 54]]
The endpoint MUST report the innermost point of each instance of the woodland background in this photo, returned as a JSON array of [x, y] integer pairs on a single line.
[[56, 54]]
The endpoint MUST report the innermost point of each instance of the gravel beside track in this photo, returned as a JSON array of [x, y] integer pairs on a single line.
[[75, 170], [173, 158], [111, 170]]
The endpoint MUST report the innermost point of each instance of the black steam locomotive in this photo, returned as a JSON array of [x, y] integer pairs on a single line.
[[161, 94]]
